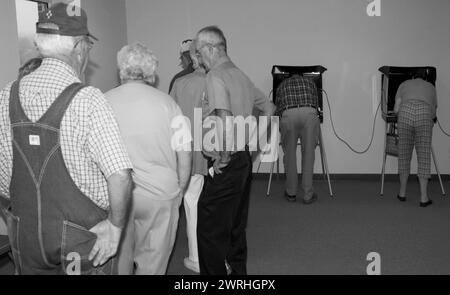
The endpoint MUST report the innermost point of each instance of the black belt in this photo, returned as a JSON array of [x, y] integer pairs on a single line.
[[298, 106]]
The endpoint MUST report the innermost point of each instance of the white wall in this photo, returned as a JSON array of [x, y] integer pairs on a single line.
[[9, 53], [107, 21], [27, 17], [334, 33], [9, 50]]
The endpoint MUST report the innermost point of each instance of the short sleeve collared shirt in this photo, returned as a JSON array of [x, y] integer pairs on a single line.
[[228, 88], [188, 92], [294, 91], [91, 144]]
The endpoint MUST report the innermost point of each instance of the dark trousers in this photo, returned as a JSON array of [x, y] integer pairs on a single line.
[[222, 218]]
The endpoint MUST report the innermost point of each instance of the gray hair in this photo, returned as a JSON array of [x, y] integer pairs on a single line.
[[137, 62], [52, 45], [214, 36]]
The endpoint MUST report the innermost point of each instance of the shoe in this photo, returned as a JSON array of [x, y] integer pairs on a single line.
[[401, 199], [228, 267], [426, 204], [289, 197], [310, 201], [192, 265]]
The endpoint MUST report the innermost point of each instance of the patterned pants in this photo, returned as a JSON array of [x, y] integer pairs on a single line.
[[415, 129]]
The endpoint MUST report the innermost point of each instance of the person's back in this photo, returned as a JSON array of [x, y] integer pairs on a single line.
[[150, 122], [418, 89], [242, 91], [64, 165], [415, 104], [185, 63], [188, 93], [297, 103], [296, 90], [145, 115]]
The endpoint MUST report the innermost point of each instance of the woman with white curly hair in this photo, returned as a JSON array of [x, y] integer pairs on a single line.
[[137, 63], [162, 168]]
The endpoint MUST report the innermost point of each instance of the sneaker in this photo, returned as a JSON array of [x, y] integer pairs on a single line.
[[426, 204], [310, 201], [229, 270], [289, 197], [192, 265]]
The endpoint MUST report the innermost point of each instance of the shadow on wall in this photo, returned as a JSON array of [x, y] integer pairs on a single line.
[[27, 49], [89, 72]]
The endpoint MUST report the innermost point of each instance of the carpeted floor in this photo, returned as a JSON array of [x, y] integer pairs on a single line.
[[335, 235]]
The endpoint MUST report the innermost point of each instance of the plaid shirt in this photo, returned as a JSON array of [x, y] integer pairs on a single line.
[[294, 91], [91, 144]]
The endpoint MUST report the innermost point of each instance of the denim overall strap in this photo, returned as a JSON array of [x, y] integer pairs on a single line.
[[49, 217]]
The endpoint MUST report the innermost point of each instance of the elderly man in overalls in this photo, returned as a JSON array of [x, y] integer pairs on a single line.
[[64, 168]]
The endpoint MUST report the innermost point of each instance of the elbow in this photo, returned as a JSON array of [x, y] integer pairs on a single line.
[[121, 178]]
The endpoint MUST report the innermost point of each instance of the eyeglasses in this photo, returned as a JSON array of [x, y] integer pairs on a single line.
[[89, 42], [197, 51]]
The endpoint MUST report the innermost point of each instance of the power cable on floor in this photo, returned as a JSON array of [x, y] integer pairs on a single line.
[[443, 131]]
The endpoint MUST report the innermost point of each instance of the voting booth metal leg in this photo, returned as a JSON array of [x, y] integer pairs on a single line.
[[270, 178], [437, 171], [384, 160], [278, 168], [324, 161]]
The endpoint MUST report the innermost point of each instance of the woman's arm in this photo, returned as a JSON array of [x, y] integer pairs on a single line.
[[398, 100]]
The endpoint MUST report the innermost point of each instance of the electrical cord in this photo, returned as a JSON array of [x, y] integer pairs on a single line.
[[342, 140], [439, 123]]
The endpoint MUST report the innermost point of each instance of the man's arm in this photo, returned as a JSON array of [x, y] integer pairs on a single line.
[[263, 104], [435, 102], [184, 167], [225, 139], [108, 151], [119, 188], [219, 102], [398, 99], [181, 128], [109, 231]]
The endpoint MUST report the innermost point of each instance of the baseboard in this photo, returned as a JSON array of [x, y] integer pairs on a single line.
[[366, 177]]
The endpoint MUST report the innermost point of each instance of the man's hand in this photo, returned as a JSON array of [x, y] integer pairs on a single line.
[[219, 164], [108, 237]]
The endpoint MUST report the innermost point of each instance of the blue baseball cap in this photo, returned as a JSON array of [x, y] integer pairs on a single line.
[[66, 20]]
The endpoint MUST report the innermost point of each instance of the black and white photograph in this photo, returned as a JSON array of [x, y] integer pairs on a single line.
[[225, 145]]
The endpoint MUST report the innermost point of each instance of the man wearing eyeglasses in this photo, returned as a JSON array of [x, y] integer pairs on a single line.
[[64, 170], [223, 204]]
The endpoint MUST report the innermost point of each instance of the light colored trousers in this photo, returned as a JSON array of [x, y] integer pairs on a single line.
[[300, 123], [190, 206], [3, 228], [149, 236]]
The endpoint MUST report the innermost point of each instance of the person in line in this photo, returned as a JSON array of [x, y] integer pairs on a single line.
[[188, 91], [64, 168], [162, 166], [224, 202], [415, 106], [186, 62], [297, 103]]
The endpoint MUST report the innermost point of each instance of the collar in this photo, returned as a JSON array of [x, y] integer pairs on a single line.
[[62, 67]]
